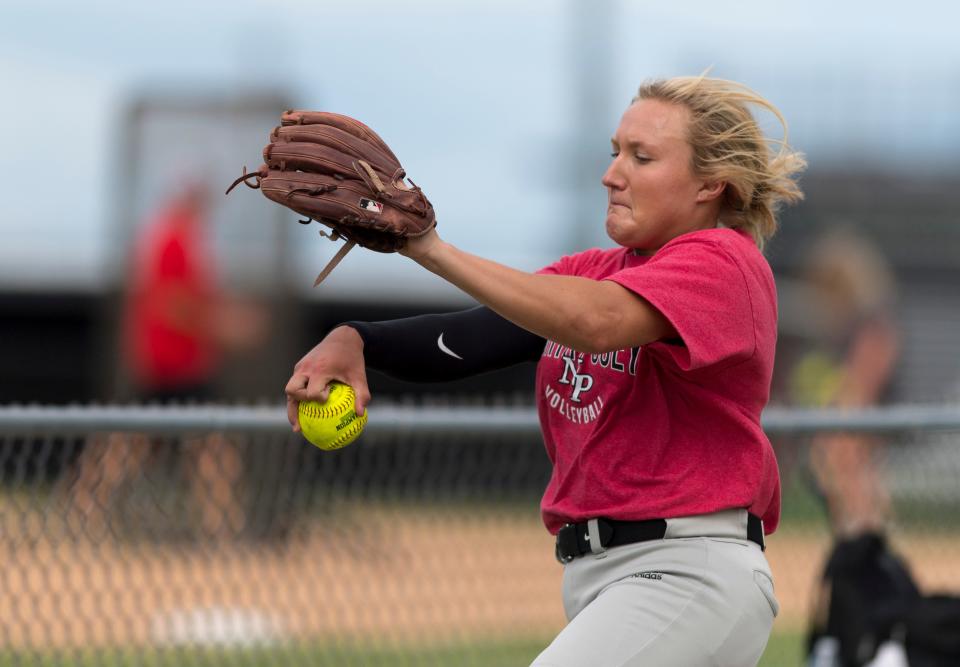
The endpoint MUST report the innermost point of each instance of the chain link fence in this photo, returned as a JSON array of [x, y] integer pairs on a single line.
[[213, 535]]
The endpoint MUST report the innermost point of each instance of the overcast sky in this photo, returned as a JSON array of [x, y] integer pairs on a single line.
[[485, 92]]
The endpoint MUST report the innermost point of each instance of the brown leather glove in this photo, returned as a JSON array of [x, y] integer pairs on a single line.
[[337, 171]]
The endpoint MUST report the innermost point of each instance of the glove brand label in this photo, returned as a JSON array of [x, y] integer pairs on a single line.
[[371, 205]]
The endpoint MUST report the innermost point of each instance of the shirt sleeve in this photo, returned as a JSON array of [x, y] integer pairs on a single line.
[[573, 265], [701, 289]]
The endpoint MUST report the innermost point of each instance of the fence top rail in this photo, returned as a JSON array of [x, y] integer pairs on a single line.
[[385, 418]]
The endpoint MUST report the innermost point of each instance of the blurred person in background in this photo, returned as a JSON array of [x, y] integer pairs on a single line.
[[850, 363], [654, 363], [177, 324]]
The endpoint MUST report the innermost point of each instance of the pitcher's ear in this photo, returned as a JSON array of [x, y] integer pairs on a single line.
[[711, 190]]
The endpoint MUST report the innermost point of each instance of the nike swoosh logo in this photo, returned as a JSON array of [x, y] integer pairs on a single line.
[[447, 350]]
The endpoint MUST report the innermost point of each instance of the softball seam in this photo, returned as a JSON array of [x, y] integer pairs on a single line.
[[347, 435], [316, 410]]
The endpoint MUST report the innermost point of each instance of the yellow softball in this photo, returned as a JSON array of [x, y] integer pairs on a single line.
[[333, 424]]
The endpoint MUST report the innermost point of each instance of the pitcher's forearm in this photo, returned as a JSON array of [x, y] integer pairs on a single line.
[[584, 314], [518, 296]]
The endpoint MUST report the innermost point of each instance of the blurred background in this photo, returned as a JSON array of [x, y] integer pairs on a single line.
[[120, 116], [502, 111]]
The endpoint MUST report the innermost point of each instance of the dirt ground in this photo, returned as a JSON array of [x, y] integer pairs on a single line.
[[409, 575]]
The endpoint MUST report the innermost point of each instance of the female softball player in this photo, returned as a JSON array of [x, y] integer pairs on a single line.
[[654, 363]]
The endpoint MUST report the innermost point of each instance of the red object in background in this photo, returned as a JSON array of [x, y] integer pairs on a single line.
[[172, 301]]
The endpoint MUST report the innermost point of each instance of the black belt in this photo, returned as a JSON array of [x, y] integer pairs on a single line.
[[573, 539]]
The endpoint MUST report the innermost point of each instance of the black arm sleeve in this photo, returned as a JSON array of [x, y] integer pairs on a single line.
[[450, 346]]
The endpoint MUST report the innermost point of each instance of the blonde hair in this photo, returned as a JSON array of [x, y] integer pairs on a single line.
[[852, 270], [728, 145]]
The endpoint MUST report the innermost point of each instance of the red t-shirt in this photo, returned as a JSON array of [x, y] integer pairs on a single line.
[[172, 294], [671, 428]]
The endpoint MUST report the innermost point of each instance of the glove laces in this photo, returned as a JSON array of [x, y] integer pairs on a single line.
[[244, 179]]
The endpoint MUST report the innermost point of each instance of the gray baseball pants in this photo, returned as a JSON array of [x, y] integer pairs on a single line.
[[702, 596]]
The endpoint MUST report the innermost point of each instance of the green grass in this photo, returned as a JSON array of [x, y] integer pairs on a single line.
[[783, 650], [506, 654]]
